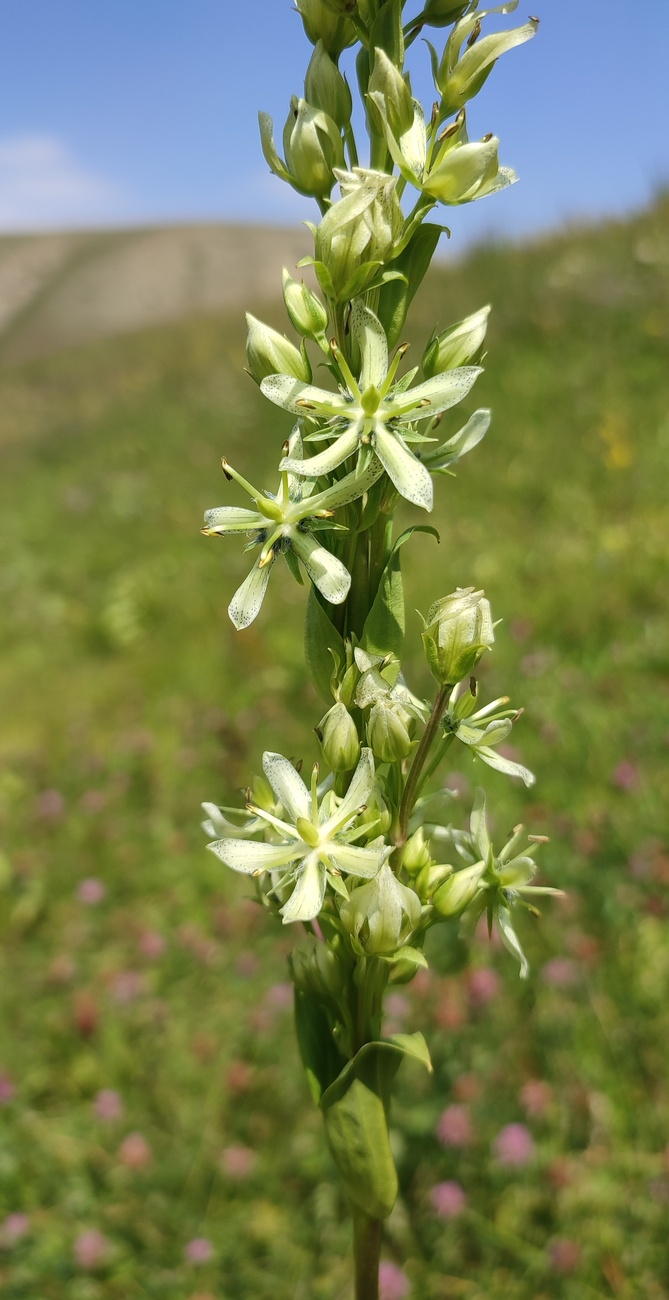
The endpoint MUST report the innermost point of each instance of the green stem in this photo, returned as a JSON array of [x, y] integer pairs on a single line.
[[367, 1253], [432, 767], [411, 787]]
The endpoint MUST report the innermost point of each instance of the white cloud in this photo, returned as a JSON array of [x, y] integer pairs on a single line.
[[43, 186]]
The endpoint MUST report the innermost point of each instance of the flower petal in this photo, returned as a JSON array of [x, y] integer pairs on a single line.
[[326, 572], [325, 461], [359, 790], [437, 394], [357, 861], [307, 897], [351, 487], [300, 398], [409, 475], [506, 765], [246, 602], [370, 336], [287, 785], [250, 856], [232, 519], [510, 939]]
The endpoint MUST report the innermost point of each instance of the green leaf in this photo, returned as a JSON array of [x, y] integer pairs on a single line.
[[384, 628], [396, 296], [323, 647], [320, 1058], [355, 1111]]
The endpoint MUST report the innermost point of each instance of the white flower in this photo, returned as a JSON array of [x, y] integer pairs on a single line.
[[483, 729], [284, 525], [315, 840], [370, 411]]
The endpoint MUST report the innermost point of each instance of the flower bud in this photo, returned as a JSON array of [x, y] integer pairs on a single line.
[[306, 311], [271, 353], [470, 171], [458, 630], [382, 914], [441, 13], [339, 739], [457, 346], [360, 231], [387, 80], [315, 968], [326, 88], [457, 892], [387, 733], [416, 853], [313, 147], [323, 22], [428, 880]]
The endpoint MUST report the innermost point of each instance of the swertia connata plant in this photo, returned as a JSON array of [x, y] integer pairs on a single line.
[[354, 854]]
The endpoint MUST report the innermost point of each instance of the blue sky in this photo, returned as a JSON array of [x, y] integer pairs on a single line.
[[138, 111]]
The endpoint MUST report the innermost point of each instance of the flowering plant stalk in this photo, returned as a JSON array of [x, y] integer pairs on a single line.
[[354, 852]]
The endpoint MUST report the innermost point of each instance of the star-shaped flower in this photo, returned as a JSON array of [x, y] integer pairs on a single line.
[[372, 410], [315, 840], [483, 729], [284, 525]]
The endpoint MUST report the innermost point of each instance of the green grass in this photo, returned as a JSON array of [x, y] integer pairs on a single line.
[[127, 698]]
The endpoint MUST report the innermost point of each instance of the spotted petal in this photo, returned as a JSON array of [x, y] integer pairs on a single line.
[[247, 600], [326, 572], [301, 398], [356, 861], [438, 394], [373, 344], [287, 785], [232, 519], [326, 461], [409, 475], [250, 857], [359, 790], [307, 897]]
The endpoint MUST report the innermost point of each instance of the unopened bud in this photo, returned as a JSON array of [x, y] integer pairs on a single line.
[[382, 914], [323, 22], [457, 892], [416, 853], [326, 88], [339, 739], [458, 630], [387, 81], [460, 78], [467, 172], [316, 969], [313, 147], [271, 353], [387, 732], [440, 13], [458, 346], [306, 311]]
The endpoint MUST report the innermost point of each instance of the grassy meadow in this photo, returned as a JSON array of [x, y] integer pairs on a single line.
[[156, 1135]]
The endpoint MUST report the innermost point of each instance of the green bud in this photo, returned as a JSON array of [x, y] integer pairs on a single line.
[[271, 353], [387, 80], [358, 234], [458, 890], [387, 733], [469, 171], [441, 13], [458, 630], [326, 88], [323, 22], [339, 739], [458, 346], [416, 853], [429, 879], [382, 914], [306, 311], [313, 147]]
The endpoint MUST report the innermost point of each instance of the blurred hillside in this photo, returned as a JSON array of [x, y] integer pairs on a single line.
[[150, 1096], [68, 288]]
